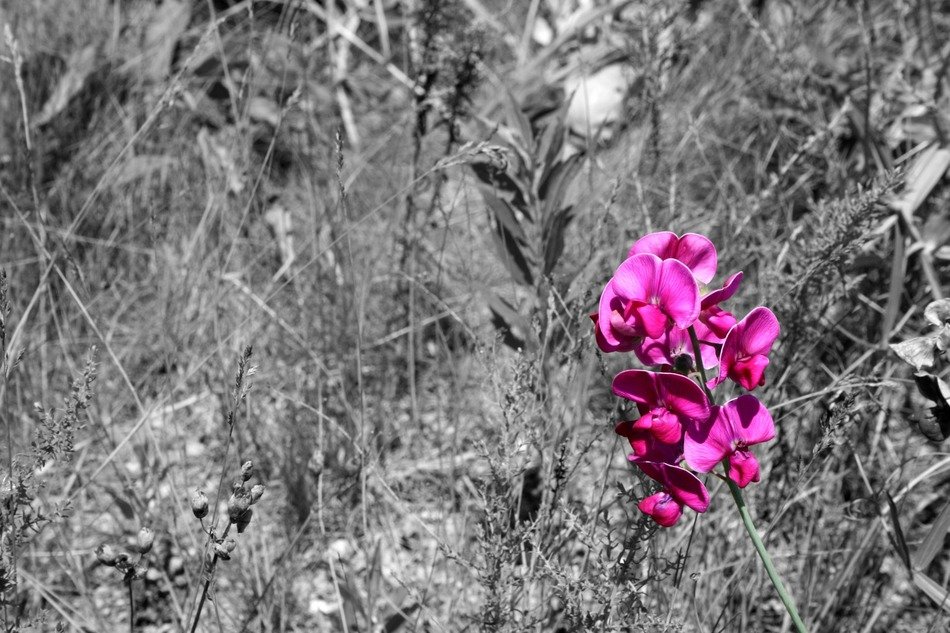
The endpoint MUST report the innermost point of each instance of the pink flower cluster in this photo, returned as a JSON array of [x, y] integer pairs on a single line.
[[648, 307]]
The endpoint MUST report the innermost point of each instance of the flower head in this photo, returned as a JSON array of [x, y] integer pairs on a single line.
[[681, 488], [696, 251], [727, 434], [744, 355], [666, 402], [645, 295]]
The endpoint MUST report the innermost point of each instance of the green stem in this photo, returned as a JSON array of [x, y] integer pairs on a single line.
[[764, 555], [698, 359]]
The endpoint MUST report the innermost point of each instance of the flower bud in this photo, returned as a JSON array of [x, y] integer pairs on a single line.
[[107, 555], [247, 469], [199, 504], [243, 520], [229, 544], [146, 538], [257, 491], [238, 504]]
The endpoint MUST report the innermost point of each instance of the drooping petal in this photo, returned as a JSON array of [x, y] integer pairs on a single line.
[[636, 385], [728, 289], [682, 485], [601, 339], [727, 355], [748, 420], [665, 426], [677, 293], [610, 314], [662, 244], [759, 328], [743, 468], [662, 508], [699, 255], [749, 372], [682, 396]]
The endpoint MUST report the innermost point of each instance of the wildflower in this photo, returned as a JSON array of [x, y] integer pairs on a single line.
[[681, 489], [666, 401], [642, 298], [665, 349], [744, 355], [727, 434], [697, 252]]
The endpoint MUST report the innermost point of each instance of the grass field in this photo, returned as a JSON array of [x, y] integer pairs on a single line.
[[357, 244]]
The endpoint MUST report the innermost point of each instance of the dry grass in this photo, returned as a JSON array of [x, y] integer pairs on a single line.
[[307, 178]]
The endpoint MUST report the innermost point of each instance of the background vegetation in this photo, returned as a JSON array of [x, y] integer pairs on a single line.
[[356, 242]]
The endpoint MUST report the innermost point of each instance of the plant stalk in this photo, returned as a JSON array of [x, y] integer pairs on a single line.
[[698, 359], [764, 555]]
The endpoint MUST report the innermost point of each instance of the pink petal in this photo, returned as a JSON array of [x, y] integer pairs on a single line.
[[636, 278], [707, 443], [677, 292], [610, 309], [661, 244], [662, 508], [699, 255], [743, 468], [749, 373], [654, 351], [727, 355], [651, 320], [645, 445], [748, 420], [636, 385], [682, 485], [681, 395], [664, 349], [717, 321], [760, 328], [728, 289], [665, 426]]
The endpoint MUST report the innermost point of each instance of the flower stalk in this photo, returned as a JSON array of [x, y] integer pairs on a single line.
[[764, 555]]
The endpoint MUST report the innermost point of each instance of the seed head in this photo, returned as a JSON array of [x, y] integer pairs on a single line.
[[107, 554], [146, 538], [199, 504], [247, 469], [238, 504], [257, 491]]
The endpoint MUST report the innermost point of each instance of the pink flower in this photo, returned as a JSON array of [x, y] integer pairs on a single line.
[[727, 434], [644, 442], [696, 251], [711, 315], [680, 488], [666, 402], [664, 349], [642, 298], [744, 355]]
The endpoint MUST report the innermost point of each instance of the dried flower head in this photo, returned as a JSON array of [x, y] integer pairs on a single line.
[[199, 504]]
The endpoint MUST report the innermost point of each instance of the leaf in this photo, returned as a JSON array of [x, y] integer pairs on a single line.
[[900, 544], [512, 256], [80, 65], [936, 427], [933, 542], [554, 238], [917, 352], [513, 327], [923, 175], [500, 181], [938, 312], [169, 22], [934, 591], [395, 621], [553, 188], [515, 116], [503, 214], [141, 166]]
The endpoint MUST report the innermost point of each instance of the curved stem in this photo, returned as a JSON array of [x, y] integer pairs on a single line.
[[764, 555], [698, 359]]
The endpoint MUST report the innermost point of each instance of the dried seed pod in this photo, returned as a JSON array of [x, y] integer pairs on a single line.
[[243, 520], [107, 554], [247, 469], [221, 552], [199, 504], [257, 491], [229, 544], [145, 539], [238, 504]]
